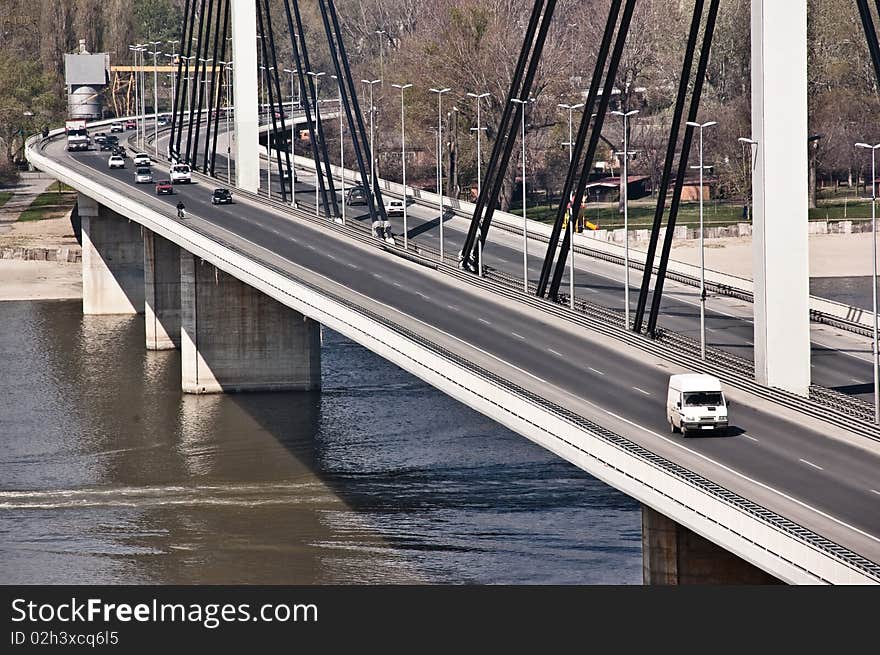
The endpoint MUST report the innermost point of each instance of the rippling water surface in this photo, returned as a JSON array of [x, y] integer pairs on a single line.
[[109, 474]]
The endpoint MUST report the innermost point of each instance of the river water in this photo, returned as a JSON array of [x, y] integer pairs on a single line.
[[109, 474]]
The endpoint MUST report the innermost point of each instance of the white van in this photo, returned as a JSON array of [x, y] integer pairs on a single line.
[[695, 402], [180, 174]]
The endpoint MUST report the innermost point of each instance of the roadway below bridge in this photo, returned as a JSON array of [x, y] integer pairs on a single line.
[[810, 471]]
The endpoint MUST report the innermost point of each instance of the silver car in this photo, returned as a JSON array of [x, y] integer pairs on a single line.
[[143, 176]]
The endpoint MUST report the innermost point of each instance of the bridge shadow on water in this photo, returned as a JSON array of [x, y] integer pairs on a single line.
[[376, 478]]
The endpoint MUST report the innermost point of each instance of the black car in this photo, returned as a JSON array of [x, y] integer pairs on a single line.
[[110, 142], [119, 150], [357, 195], [99, 137], [221, 197]]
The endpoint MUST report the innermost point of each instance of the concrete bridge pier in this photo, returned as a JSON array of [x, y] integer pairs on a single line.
[[112, 261], [161, 292], [674, 555], [235, 338]]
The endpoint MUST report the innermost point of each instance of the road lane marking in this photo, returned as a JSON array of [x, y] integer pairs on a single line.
[[642, 391], [483, 320], [397, 284], [815, 466], [748, 436], [595, 370], [558, 354], [452, 307], [874, 491], [733, 471], [518, 336]]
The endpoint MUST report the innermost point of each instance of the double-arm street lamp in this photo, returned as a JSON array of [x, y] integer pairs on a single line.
[[478, 129], [701, 127], [440, 93], [371, 84], [624, 190], [525, 234], [874, 358], [570, 142], [403, 87], [316, 77]]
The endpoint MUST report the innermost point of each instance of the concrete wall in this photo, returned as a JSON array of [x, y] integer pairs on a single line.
[[112, 261], [161, 292], [235, 338], [674, 555]]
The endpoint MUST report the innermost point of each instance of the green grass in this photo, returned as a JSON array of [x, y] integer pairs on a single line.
[[48, 205], [4, 196], [641, 213]]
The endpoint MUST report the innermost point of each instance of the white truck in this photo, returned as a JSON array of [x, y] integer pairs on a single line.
[[77, 134], [695, 402]]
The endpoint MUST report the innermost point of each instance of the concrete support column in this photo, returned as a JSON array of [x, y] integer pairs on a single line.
[[780, 183], [161, 292], [112, 261], [244, 89], [673, 555], [235, 338]]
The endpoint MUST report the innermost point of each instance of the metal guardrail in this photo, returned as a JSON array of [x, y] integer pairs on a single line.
[[604, 320]]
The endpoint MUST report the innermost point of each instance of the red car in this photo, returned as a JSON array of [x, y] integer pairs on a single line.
[[164, 186], [130, 125]]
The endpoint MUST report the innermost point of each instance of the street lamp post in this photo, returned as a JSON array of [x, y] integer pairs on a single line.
[[379, 33], [525, 222], [316, 78], [570, 142], [478, 129], [341, 150], [155, 54], [135, 48], [227, 68], [701, 127], [269, 135], [874, 357], [440, 93], [371, 83], [173, 58], [403, 87], [292, 133], [624, 190]]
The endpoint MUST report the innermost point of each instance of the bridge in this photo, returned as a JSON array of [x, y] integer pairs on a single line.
[[242, 290]]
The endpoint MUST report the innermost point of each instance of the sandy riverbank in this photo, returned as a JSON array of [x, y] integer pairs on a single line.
[[39, 280], [29, 280], [831, 255]]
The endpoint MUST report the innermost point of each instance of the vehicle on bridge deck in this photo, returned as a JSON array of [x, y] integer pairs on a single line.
[[110, 142], [142, 159], [695, 402], [130, 124], [221, 197], [357, 195], [181, 174], [116, 161], [143, 175], [164, 186], [116, 127], [394, 207]]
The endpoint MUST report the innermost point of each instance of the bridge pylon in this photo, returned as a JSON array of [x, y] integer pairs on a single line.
[[779, 192]]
